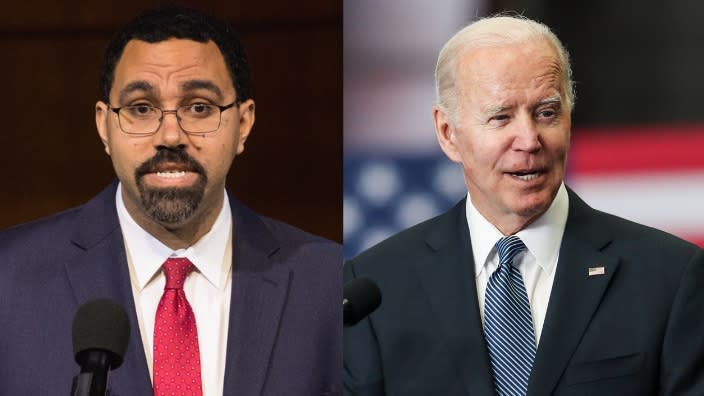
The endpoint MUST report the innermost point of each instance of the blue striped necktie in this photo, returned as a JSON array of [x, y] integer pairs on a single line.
[[508, 326]]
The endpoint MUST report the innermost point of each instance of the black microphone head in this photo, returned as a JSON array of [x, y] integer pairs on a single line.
[[360, 298], [101, 325]]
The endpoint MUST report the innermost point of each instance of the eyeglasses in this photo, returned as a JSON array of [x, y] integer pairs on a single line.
[[144, 120]]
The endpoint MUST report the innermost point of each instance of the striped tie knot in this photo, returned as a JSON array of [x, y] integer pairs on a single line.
[[507, 248]]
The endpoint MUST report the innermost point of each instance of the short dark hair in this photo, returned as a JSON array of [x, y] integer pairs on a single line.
[[160, 24]]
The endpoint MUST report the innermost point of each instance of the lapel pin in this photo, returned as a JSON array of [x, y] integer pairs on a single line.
[[593, 271]]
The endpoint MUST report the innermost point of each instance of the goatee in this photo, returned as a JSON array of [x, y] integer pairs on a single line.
[[171, 206]]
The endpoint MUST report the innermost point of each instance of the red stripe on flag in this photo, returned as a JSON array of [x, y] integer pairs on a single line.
[[629, 149]]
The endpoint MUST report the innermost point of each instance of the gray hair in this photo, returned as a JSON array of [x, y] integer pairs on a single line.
[[494, 31]]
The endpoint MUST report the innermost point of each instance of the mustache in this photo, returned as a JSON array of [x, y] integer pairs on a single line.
[[173, 156]]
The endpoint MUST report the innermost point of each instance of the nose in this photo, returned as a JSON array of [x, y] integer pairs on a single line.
[[527, 136], [169, 133]]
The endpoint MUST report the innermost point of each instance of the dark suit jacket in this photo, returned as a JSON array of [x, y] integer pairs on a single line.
[[636, 330], [285, 329]]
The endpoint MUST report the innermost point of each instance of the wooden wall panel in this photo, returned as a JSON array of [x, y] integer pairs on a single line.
[[292, 167], [72, 14]]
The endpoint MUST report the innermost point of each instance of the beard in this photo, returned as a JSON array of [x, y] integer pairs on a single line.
[[171, 206]]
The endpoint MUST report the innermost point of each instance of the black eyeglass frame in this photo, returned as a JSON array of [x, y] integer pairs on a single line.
[[116, 110]]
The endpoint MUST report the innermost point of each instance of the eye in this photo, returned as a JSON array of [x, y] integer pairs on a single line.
[[499, 119], [548, 113], [199, 110], [139, 110]]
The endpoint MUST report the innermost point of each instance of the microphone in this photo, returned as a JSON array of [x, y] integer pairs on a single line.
[[101, 331], [360, 298]]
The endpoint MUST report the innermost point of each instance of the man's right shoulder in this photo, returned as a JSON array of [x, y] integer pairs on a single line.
[[44, 225], [90, 220], [39, 232], [413, 243]]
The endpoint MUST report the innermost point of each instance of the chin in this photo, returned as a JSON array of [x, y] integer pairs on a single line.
[[534, 206]]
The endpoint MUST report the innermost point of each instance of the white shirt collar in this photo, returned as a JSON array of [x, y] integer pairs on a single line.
[[147, 253], [542, 237]]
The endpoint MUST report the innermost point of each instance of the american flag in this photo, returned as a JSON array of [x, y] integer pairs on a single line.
[[651, 174], [386, 194]]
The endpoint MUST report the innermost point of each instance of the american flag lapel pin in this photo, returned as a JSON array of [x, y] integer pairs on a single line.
[[594, 271]]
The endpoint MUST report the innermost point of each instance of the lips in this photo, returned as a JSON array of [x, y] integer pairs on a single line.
[[171, 174], [169, 166], [527, 174], [172, 169]]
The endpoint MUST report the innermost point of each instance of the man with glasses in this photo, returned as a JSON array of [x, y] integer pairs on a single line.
[[221, 301]]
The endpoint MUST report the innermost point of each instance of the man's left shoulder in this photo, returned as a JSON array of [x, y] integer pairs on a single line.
[[645, 237], [647, 250], [287, 233], [616, 231], [294, 241]]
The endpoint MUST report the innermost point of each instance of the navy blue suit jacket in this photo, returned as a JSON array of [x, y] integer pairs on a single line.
[[638, 329], [285, 327]]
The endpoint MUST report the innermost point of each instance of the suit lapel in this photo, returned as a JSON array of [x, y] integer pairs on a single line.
[[99, 270], [575, 294], [259, 287], [448, 281]]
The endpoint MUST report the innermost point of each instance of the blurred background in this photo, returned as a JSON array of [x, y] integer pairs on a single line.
[[53, 158], [638, 126]]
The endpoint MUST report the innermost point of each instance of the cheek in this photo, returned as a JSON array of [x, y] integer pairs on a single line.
[[127, 156], [482, 155], [479, 162], [466, 146], [218, 160]]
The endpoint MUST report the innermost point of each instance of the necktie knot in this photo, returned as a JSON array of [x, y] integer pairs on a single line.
[[176, 269], [507, 248]]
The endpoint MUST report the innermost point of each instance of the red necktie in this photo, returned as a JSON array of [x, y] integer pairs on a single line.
[[176, 352]]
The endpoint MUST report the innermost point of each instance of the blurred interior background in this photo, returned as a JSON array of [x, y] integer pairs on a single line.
[[53, 159], [638, 126]]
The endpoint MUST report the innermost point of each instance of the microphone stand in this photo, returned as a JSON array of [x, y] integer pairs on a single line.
[[93, 378]]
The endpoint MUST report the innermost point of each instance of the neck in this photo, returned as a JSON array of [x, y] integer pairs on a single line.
[[510, 223], [512, 226]]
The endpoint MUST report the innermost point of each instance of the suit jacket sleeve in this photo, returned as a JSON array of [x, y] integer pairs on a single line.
[[683, 347]]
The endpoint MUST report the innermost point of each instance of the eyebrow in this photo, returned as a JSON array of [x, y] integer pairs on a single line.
[[190, 85], [551, 100], [494, 110], [139, 85], [193, 85]]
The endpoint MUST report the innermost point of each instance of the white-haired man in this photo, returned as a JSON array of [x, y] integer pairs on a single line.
[[523, 289]]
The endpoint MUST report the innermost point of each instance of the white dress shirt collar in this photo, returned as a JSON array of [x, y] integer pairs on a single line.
[[148, 253], [542, 237]]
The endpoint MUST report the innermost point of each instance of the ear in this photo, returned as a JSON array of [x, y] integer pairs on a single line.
[[246, 113], [446, 133], [101, 122]]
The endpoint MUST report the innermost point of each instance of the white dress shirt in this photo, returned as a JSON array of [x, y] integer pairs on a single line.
[[537, 264], [207, 288]]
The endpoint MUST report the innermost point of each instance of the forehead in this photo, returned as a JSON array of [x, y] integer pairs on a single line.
[[168, 65], [499, 71]]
